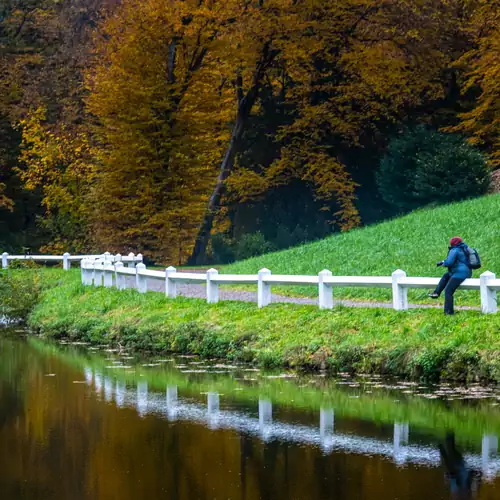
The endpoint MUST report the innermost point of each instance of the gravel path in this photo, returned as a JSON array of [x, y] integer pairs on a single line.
[[196, 291]]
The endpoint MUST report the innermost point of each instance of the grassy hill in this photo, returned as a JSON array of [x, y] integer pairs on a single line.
[[414, 243]]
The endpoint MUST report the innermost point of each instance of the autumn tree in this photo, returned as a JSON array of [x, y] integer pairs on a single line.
[[140, 125], [344, 67], [156, 150], [43, 51], [21, 44], [175, 85], [480, 66]]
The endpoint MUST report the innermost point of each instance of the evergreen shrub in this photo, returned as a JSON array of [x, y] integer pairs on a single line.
[[424, 167]]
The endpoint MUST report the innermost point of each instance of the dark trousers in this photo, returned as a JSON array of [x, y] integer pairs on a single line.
[[449, 285]]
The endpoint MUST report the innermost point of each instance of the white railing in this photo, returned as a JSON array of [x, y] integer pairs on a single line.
[[67, 258], [99, 272]]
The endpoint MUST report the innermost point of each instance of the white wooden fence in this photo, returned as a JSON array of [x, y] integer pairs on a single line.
[[99, 272], [131, 259]]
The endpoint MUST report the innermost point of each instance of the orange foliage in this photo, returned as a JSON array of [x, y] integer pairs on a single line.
[[482, 69]]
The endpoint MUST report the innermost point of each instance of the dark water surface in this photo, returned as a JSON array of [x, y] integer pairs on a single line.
[[85, 424]]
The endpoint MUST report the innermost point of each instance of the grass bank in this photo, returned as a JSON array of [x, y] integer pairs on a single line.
[[415, 344], [413, 243]]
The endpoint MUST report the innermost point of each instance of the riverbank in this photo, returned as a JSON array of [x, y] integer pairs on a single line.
[[415, 344]]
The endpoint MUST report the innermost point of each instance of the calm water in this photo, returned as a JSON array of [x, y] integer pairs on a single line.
[[85, 424]]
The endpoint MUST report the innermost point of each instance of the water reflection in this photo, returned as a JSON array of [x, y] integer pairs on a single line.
[[213, 409], [108, 389], [401, 438], [121, 389], [98, 382], [326, 424], [463, 480], [128, 435], [172, 395], [400, 450], [265, 418], [87, 373], [142, 398]]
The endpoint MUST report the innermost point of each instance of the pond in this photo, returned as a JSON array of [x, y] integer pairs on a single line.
[[83, 423]]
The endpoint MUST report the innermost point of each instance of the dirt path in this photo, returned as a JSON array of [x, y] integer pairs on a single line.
[[196, 291]]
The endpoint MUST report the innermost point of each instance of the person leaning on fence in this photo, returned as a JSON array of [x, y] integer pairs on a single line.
[[458, 271]]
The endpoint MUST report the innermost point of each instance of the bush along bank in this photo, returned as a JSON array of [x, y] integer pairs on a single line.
[[415, 344]]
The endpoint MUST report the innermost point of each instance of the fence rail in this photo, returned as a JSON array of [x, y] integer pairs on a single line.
[[67, 258], [101, 272]]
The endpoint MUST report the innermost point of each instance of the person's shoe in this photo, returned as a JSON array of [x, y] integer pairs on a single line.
[[433, 295]]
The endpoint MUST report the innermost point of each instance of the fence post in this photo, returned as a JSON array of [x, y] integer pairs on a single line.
[[66, 261], [399, 293], [98, 272], [5, 260], [131, 262], [118, 257], [89, 272], [325, 291], [212, 288], [263, 289], [488, 296], [141, 282], [170, 285], [139, 258], [83, 263], [108, 274], [119, 278]]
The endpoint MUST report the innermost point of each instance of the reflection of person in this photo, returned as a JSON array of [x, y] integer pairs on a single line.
[[458, 272], [463, 481]]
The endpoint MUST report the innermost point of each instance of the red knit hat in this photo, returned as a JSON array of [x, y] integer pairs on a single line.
[[456, 240]]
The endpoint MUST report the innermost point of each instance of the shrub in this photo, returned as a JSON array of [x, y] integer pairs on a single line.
[[19, 293], [286, 238], [23, 264], [424, 167], [251, 245], [222, 249]]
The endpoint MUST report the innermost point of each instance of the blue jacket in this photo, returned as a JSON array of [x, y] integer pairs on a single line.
[[456, 262]]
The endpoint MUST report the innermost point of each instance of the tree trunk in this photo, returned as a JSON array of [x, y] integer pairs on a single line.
[[203, 236], [245, 105]]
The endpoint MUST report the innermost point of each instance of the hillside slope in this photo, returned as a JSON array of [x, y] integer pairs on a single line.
[[414, 243]]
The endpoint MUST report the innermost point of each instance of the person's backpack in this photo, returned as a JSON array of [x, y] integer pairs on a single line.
[[473, 259]]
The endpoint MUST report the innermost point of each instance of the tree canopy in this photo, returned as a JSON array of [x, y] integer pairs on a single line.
[[156, 124]]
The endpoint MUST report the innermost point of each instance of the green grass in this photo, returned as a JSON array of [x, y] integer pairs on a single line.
[[415, 344], [413, 243]]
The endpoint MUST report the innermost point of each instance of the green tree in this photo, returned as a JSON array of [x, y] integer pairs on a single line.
[[423, 166]]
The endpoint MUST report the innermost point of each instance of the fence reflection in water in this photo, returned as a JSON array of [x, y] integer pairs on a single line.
[[401, 451]]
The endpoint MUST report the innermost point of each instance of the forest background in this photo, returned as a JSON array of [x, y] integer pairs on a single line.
[[206, 130]]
